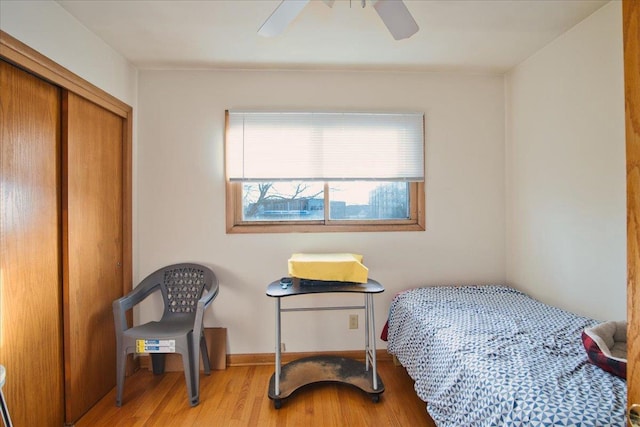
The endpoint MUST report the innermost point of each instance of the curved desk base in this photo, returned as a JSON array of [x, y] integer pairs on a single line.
[[317, 369]]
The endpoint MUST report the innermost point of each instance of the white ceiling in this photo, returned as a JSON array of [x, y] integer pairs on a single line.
[[469, 35]]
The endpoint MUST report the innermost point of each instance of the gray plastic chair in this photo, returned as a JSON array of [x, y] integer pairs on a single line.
[[182, 287]]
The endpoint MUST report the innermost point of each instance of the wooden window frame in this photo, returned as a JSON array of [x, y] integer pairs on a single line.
[[235, 224]]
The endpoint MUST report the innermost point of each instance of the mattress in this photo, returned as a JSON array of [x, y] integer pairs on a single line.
[[493, 356]]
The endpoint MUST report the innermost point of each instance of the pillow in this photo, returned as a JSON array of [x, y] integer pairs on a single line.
[[606, 346]]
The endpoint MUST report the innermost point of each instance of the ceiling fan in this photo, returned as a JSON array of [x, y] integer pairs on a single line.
[[394, 15]]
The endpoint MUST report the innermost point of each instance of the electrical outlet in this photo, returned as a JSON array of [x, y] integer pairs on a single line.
[[353, 321], [282, 347]]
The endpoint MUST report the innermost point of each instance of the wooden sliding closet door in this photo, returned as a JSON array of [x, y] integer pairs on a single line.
[[30, 260], [92, 249]]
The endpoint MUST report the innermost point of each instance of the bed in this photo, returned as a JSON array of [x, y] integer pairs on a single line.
[[493, 356]]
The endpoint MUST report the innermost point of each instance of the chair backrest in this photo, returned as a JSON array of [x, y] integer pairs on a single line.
[[182, 286]]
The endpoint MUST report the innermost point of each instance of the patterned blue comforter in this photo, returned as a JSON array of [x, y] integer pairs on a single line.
[[493, 356]]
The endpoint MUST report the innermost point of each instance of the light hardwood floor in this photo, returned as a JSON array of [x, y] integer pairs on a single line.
[[237, 396]]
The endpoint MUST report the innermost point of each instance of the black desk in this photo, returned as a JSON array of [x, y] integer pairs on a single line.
[[305, 371]]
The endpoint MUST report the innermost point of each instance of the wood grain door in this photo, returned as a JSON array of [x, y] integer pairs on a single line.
[[30, 254], [631, 31], [92, 249]]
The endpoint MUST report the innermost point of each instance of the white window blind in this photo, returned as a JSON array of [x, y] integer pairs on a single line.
[[272, 146]]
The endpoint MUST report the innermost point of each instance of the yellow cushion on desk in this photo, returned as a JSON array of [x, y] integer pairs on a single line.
[[342, 267]]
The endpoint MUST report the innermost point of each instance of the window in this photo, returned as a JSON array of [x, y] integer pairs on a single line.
[[301, 171]]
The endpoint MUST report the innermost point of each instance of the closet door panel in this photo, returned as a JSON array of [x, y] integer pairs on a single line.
[[30, 255], [92, 249]]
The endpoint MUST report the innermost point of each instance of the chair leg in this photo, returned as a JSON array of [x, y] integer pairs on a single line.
[[120, 374], [206, 363], [157, 362], [6, 419], [190, 376]]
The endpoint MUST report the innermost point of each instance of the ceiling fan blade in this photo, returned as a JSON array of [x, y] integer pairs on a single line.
[[397, 18], [284, 14]]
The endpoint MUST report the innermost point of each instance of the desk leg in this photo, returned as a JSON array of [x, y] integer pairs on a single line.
[[367, 335], [278, 346], [372, 341]]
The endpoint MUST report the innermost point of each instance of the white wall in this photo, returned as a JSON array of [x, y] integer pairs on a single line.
[[565, 170], [181, 194], [46, 27]]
